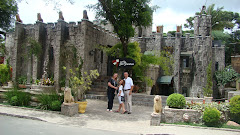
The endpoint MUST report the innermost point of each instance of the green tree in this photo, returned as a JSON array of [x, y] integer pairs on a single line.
[[123, 15], [220, 19], [142, 61], [8, 10], [207, 91], [228, 74]]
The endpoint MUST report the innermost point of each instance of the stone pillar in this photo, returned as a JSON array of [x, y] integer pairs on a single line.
[[196, 25], [188, 42], [159, 37], [61, 25], [177, 51], [203, 26], [19, 37]]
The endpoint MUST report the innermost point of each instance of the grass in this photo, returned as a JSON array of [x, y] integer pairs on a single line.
[[201, 125]]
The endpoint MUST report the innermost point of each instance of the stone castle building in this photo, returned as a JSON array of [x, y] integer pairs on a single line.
[[191, 57], [62, 44], [67, 44]]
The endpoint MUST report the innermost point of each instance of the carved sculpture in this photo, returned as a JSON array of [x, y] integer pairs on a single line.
[[39, 18], [85, 16], [61, 16], [68, 98], [18, 18], [157, 108]]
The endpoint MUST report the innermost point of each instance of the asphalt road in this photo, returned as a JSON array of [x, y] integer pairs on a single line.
[[19, 126]]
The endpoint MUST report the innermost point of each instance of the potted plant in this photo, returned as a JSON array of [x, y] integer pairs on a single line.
[[80, 84], [207, 91], [22, 82]]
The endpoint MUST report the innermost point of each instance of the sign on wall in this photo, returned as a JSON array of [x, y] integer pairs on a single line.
[[123, 62]]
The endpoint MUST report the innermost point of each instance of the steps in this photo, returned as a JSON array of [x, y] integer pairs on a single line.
[[99, 86]]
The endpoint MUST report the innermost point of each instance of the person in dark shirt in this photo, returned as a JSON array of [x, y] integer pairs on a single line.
[[112, 86]]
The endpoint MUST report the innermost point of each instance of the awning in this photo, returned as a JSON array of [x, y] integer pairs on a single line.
[[164, 80], [188, 53]]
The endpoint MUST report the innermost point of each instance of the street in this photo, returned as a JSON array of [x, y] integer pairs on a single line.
[[20, 126]]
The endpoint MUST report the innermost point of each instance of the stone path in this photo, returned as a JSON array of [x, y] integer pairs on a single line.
[[96, 117]]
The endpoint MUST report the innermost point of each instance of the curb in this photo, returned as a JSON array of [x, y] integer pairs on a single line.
[[26, 108], [20, 116], [211, 128]]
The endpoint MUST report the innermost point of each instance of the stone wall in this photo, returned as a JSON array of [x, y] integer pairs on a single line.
[[56, 40], [171, 115], [235, 62]]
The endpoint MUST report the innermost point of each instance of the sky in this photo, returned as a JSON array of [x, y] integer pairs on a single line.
[[170, 13]]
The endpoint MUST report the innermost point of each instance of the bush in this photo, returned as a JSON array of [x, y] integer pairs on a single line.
[[13, 100], [17, 97], [49, 101], [235, 108], [211, 117], [176, 100], [56, 105], [4, 73]]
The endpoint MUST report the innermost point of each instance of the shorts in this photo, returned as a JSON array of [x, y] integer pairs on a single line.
[[121, 99]]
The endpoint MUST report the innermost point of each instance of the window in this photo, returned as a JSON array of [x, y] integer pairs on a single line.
[[216, 66], [51, 56], [185, 62]]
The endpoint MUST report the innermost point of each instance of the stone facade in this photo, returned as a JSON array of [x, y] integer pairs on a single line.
[[191, 55], [57, 41], [235, 62]]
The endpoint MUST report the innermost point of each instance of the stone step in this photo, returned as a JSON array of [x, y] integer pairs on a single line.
[[97, 93], [98, 89]]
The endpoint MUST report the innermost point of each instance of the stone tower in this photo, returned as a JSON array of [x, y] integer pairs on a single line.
[[202, 53]]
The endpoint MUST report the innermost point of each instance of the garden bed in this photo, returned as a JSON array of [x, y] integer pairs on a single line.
[[172, 115]]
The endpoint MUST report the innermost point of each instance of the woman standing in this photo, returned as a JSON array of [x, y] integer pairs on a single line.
[[112, 86]]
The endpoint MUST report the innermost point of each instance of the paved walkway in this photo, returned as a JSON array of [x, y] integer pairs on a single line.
[[96, 117]]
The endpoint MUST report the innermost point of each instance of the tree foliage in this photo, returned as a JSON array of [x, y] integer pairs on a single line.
[[8, 10], [220, 19], [123, 15], [142, 61], [208, 89], [228, 74]]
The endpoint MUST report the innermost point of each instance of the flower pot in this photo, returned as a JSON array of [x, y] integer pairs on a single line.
[[82, 105], [208, 99], [22, 86]]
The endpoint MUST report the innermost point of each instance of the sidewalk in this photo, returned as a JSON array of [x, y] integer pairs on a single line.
[[96, 117]]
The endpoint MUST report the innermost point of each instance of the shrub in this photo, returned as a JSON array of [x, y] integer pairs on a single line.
[[18, 98], [48, 101], [56, 105], [211, 117], [176, 100], [13, 100], [4, 73], [235, 108]]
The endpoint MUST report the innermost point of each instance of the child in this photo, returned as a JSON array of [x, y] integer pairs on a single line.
[[121, 97]]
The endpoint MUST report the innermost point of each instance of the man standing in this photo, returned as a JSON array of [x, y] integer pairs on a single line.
[[128, 87]]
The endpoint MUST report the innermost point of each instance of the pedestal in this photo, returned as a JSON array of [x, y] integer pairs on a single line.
[[69, 110], [155, 120]]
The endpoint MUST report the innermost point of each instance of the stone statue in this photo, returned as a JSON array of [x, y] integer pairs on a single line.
[[68, 98], [157, 108], [60, 16], [39, 18], [85, 16], [18, 18]]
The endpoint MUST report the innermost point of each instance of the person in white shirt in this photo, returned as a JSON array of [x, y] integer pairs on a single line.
[[128, 87], [121, 97]]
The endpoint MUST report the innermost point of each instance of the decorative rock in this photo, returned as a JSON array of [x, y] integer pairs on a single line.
[[155, 120], [186, 117], [69, 110], [232, 123]]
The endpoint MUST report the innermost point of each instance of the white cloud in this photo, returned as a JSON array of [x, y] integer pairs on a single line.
[[169, 19]]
